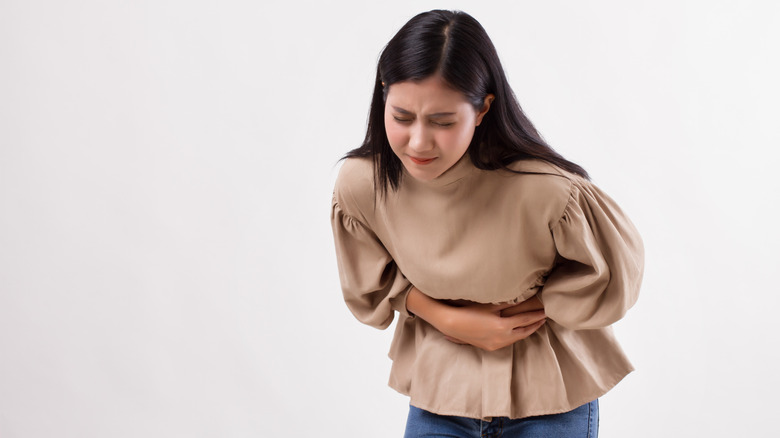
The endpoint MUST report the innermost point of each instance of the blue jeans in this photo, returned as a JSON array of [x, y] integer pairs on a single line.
[[582, 422]]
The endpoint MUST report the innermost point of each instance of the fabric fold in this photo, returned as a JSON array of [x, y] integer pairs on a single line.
[[491, 237]]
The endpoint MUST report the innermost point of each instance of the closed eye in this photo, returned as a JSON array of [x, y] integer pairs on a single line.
[[401, 120]]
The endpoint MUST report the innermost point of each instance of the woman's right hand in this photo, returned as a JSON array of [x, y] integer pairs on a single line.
[[480, 325]]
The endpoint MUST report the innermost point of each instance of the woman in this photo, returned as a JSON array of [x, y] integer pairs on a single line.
[[506, 265]]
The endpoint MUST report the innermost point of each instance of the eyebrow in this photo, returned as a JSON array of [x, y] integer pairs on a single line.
[[434, 115]]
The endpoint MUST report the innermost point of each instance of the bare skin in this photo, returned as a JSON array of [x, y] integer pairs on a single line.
[[486, 326]]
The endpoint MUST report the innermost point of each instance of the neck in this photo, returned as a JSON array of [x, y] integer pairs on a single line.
[[460, 170]]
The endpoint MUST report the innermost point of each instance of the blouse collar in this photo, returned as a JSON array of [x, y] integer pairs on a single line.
[[461, 169]]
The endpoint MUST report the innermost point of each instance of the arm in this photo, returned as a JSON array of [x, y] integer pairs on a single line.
[[601, 263], [373, 286], [481, 325]]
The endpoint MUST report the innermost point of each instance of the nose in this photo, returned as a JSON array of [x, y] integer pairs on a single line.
[[420, 139]]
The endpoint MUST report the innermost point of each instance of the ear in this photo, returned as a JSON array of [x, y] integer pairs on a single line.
[[485, 107]]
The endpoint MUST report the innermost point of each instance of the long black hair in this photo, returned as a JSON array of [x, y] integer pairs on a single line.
[[454, 45]]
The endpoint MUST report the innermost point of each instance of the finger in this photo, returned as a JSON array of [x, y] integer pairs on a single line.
[[524, 332], [501, 306], [526, 306], [454, 340], [530, 304], [515, 309], [534, 302], [525, 318]]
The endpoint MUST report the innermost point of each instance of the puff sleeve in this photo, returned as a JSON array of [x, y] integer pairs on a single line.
[[601, 262], [371, 282]]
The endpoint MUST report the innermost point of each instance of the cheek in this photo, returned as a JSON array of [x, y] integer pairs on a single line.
[[456, 139], [396, 135]]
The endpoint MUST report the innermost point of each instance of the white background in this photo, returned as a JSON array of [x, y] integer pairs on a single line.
[[166, 168]]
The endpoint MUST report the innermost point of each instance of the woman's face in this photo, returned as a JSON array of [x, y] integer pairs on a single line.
[[429, 125]]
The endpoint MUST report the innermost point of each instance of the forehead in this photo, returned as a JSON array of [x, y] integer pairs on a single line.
[[430, 94]]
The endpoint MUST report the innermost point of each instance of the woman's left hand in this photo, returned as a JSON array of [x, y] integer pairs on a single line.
[[530, 305]]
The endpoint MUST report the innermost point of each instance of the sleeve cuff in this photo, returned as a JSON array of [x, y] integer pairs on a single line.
[[398, 303]]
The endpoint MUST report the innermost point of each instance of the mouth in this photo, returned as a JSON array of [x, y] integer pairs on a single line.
[[421, 160]]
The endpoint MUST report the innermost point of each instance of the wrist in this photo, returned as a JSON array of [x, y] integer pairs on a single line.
[[445, 317], [432, 311]]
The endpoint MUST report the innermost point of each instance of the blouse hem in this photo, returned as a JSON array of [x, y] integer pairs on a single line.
[[530, 413]]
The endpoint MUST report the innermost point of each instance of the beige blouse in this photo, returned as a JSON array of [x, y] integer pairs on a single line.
[[491, 237]]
